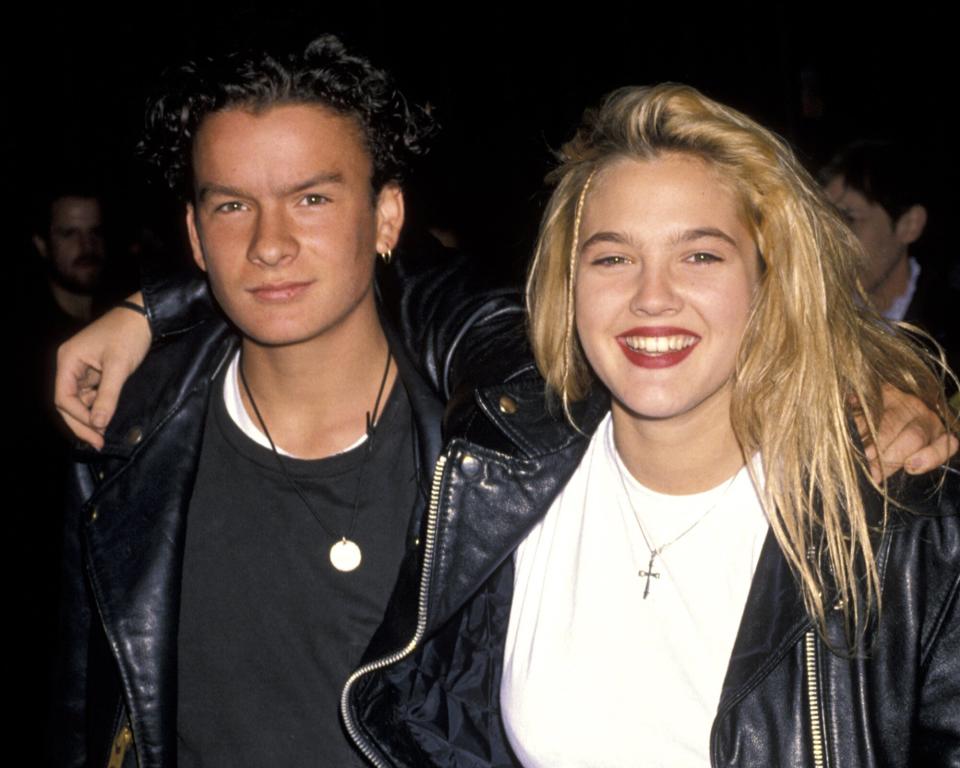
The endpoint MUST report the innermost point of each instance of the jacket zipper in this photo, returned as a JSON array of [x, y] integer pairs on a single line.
[[430, 540], [123, 739], [813, 698], [121, 743]]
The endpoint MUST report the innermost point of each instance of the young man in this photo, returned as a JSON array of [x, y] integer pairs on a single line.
[[242, 530], [880, 190]]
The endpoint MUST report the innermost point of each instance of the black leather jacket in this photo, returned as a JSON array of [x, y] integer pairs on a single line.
[[428, 690], [787, 698], [125, 522]]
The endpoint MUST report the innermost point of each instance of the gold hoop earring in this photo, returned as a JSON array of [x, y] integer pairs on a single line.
[[387, 255]]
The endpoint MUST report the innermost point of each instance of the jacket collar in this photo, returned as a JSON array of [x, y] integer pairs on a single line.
[[495, 491]]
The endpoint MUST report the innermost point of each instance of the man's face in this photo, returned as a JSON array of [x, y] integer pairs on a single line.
[[73, 248], [285, 222], [877, 232]]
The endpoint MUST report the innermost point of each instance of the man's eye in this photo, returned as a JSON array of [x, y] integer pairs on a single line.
[[231, 207], [315, 199]]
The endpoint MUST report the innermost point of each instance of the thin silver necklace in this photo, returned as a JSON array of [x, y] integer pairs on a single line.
[[345, 554], [655, 552]]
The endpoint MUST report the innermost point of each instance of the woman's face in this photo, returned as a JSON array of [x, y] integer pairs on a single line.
[[665, 280]]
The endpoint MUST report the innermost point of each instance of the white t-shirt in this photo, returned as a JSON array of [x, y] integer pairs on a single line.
[[596, 675]]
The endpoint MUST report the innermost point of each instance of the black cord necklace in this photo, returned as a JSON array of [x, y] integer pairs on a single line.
[[345, 553]]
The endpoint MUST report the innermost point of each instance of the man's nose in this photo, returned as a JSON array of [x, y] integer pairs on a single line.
[[273, 241], [91, 242]]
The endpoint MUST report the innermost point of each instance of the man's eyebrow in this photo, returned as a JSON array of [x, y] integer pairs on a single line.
[[328, 177], [212, 188]]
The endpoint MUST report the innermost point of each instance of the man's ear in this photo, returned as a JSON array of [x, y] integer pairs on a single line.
[[389, 217], [910, 225], [195, 247], [41, 245]]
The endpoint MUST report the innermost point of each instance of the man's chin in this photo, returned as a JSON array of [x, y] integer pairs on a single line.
[[82, 285]]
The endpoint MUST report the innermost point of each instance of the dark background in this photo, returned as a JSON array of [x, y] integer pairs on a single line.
[[507, 82]]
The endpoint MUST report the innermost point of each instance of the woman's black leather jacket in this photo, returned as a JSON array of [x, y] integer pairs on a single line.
[[430, 695]]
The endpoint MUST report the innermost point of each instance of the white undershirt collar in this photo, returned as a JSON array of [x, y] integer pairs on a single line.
[[898, 309], [238, 413]]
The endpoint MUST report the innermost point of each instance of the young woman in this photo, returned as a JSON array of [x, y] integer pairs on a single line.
[[671, 552], [690, 268]]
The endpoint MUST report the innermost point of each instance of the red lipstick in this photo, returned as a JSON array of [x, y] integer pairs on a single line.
[[644, 358]]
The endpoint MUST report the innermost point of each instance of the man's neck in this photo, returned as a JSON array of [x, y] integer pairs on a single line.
[[892, 286], [78, 305], [314, 396]]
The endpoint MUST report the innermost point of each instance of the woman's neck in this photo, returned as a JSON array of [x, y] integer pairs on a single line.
[[684, 454]]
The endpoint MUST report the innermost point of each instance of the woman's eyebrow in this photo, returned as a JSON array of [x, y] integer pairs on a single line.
[[697, 233], [618, 238]]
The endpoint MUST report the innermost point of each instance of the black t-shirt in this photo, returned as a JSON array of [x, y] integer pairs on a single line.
[[269, 630]]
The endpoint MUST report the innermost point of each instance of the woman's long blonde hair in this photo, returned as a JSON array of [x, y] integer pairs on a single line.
[[811, 349]]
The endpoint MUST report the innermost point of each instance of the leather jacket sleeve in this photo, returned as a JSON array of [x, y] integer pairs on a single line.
[[937, 737], [175, 301], [455, 318]]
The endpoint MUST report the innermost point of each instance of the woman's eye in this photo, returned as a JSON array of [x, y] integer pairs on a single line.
[[702, 257], [609, 260]]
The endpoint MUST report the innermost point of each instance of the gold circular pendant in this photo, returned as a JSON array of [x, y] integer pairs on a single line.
[[345, 555]]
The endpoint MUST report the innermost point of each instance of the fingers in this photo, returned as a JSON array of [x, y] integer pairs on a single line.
[[91, 369], [87, 397], [104, 404], [932, 456], [88, 379], [869, 447], [900, 433], [75, 391], [911, 436], [82, 431]]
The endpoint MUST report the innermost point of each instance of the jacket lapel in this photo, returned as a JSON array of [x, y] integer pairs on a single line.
[[134, 539], [426, 407], [505, 496], [400, 620], [773, 620]]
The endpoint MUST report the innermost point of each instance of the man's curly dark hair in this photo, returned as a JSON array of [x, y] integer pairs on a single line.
[[325, 73]]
